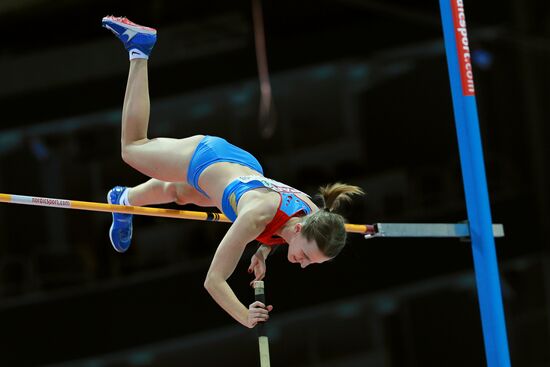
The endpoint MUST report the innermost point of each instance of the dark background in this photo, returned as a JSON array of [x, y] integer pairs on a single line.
[[362, 96]]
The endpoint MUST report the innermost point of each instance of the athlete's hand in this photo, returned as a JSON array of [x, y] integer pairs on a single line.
[[257, 266], [258, 312]]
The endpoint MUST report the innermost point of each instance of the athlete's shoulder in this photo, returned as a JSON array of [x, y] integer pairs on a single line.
[[260, 204]]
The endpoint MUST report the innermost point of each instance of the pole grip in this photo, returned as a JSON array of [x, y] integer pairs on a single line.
[[259, 295], [263, 341]]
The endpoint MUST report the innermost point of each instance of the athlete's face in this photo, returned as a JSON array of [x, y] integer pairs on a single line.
[[304, 252]]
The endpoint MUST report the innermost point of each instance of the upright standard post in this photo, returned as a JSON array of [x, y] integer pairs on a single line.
[[475, 183]]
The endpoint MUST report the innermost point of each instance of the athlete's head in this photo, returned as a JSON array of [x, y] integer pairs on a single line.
[[304, 250], [324, 231]]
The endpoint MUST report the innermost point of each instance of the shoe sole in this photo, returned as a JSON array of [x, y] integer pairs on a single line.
[[137, 28], [112, 224]]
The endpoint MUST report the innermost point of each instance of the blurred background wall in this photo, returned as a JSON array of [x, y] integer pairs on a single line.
[[362, 96]]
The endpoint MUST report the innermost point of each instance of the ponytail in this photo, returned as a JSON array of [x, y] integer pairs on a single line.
[[326, 227], [334, 195]]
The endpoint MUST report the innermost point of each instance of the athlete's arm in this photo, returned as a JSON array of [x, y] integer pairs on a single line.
[[248, 225], [257, 263]]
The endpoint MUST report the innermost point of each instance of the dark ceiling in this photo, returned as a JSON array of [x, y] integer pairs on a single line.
[[298, 33]]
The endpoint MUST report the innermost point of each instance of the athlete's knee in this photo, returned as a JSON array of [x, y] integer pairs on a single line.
[[129, 150], [128, 156]]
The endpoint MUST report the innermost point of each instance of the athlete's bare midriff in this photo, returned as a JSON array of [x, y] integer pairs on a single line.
[[215, 178]]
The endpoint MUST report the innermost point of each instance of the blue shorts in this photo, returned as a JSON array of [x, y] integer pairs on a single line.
[[212, 149]]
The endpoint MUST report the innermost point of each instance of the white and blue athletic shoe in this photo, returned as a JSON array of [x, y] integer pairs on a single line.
[[120, 232], [135, 37]]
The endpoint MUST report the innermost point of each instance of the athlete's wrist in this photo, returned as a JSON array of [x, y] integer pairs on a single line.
[[264, 251]]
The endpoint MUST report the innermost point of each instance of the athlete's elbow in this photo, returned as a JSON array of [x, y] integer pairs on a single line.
[[211, 282]]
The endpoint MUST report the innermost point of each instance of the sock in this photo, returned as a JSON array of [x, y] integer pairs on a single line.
[[134, 53], [124, 198]]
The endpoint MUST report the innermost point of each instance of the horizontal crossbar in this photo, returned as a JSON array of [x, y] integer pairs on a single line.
[[378, 230]]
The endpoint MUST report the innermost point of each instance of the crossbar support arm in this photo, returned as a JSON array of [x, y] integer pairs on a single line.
[[434, 230]]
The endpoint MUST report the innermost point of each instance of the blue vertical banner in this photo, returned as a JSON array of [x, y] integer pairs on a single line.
[[459, 62]]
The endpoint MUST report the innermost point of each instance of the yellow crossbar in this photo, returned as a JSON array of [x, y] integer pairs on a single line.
[[140, 210]]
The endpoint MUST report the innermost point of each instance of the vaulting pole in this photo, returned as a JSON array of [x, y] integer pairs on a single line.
[[475, 184], [263, 340]]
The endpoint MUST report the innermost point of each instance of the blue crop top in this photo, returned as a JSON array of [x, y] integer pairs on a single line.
[[290, 202]]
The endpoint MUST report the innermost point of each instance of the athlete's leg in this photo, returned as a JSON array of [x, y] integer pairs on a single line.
[[161, 158], [165, 159], [160, 192], [150, 192]]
